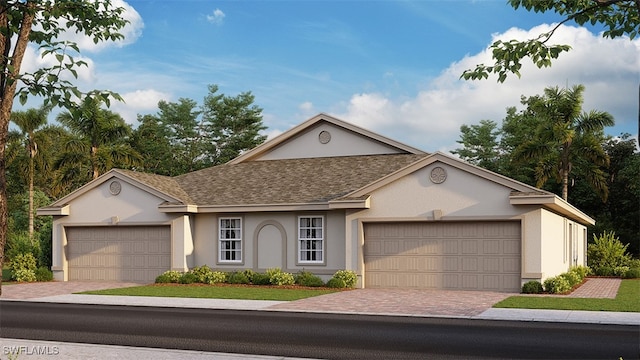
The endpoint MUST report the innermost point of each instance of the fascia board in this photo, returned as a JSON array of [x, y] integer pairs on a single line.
[[54, 211], [262, 208], [555, 203], [351, 203]]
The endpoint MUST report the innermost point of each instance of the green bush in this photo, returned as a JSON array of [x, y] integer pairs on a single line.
[[202, 273], [572, 278], [620, 270], [237, 278], [24, 261], [557, 285], [607, 251], [305, 278], [19, 243], [278, 277], [43, 274], [170, 276], [532, 287], [336, 283], [632, 273], [188, 278], [260, 279], [604, 271], [348, 276], [24, 275], [582, 271], [249, 274]]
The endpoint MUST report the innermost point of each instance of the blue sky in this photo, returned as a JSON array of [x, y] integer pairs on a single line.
[[389, 66]]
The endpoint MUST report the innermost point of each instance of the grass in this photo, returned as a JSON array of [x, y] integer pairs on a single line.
[[627, 300], [217, 292], [6, 275]]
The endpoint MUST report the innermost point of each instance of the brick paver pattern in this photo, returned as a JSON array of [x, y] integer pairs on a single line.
[[598, 288], [53, 288]]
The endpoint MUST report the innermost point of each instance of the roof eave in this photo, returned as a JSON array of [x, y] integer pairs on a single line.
[[552, 202], [54, 210]]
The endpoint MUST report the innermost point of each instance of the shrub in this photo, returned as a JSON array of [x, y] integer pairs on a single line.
[[604, 271], [24, 275], [633, 273], [260, 279], [348, 276], [336, 283], [24, 261], [188, 278], [278, 277], [620, 270], [557, 285], [306, 278], [170, 276], [582, 271], [572, 278], [20, 243], [249, 274], [215, 277], [532, 287], [202, 273], [43, 274], [607, 251], [237, 278]]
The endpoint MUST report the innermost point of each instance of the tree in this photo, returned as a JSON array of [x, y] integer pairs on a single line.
[[32, 134], [98, 142], [234, 124], [564, 137], [42, 22], [480, 145], [620, 18], [151, 140]]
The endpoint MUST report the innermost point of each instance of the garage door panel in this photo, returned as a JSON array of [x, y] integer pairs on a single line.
[[461, 255], [118, 253]]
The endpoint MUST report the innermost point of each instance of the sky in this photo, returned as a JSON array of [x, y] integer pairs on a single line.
[[392, 67]]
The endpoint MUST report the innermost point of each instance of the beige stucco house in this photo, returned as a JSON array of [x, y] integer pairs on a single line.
[[323, 196]]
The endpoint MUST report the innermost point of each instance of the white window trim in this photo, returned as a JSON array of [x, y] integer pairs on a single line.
[[239, 240], [322, 239]]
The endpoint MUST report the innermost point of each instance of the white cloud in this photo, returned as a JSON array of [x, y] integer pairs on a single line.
[[431, 120], [138, 102], [217, 17]]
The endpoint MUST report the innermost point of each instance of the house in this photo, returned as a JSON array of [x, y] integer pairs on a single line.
[[324, 196]]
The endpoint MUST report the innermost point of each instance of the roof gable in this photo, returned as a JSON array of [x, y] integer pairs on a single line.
[[325, 136]]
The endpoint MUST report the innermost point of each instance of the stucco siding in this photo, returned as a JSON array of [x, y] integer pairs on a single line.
[[266, 231], [560, 237], [341, 143]]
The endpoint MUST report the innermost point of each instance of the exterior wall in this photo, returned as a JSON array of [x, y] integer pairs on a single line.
[[99, 207], [563, 244], [342, 143], [275, 233]]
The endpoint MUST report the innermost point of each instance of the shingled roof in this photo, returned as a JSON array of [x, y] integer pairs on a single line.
[[288, 181]]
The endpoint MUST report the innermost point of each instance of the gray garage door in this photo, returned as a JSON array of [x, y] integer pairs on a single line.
[[441, 255], [127, 253]]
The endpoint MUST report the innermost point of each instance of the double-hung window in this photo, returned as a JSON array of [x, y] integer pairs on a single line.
[[311, 239], [230, 240]]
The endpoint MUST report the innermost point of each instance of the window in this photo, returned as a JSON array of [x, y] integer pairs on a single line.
[[311, 239], [230, 240]]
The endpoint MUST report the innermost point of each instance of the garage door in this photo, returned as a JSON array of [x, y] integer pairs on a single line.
[[440, 255], [127, 253]]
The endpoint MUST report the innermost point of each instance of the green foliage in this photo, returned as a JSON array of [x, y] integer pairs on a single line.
[[557, 285], [170, 276], [620, 18], [336, 283], [188, 278], [581, 271], [24, 261], [572, 277], [480, 144], [632, 273], [43, 274], [24, 275], [202, 273], [238, 278], [19, 243], [532, 287], [606, 254], [249, 274], [349, 277], [260, 279], [278, 277], [306, 278]]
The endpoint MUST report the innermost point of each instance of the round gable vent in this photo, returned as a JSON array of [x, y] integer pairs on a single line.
[[115, 188], [324, 137], [438, 175]]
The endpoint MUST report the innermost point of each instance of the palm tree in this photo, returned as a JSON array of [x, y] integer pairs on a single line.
[[97, 143], [566, 136], [32, 132]]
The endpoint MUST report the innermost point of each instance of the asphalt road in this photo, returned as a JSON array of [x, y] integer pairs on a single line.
[[326, 336]]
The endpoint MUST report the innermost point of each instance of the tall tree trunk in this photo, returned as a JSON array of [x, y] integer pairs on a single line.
[[31, 175], [6, 103], [94, 162]]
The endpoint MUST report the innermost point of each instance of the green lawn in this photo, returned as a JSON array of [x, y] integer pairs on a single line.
[[217, 292], [627, 300]]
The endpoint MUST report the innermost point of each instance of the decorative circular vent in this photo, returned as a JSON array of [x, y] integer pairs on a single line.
[[324, 137], [115, 188], [438, 175]]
